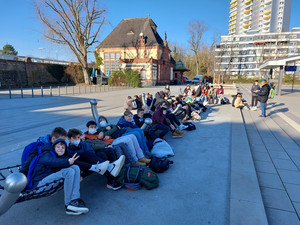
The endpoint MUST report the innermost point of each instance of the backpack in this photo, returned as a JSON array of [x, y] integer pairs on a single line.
[[226, 100], [195, 116], [31, 169], [135, 176], [161, 148], [190, 125], [29, 152], [272, 93], [159, 165]]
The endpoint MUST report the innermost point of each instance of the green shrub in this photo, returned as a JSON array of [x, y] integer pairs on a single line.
[[57, 71], [124, 77], [133, 77]]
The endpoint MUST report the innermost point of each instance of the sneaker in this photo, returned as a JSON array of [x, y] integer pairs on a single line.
[[182, 127], [114, 185], [72, 213], [179, 132], [205, 103], [76, 206], [176, 135], [116, 166], [102, 167]]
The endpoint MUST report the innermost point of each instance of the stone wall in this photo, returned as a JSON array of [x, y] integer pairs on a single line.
[[19, 73]]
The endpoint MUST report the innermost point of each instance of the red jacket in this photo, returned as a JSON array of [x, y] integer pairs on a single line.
[[158, 117]]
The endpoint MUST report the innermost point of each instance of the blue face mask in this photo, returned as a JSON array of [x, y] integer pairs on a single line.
[[103, 124], [76, 143], [92, 131]]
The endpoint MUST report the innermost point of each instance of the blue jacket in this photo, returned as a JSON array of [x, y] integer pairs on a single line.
[[139, 121], [48, 164], [125, 124], [81, 148]]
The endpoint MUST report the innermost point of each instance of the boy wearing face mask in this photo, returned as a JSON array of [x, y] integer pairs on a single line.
[[88, 155]]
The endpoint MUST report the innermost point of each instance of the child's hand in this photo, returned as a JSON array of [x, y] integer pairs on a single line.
[[73, 159]]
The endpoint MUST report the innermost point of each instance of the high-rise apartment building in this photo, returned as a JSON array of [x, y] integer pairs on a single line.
[[263, 16], [258, 31]]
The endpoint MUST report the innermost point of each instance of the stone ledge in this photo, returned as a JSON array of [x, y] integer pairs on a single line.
[[246, 205]]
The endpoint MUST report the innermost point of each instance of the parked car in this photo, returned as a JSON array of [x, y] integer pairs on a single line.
[[197, 78], [186, 79]]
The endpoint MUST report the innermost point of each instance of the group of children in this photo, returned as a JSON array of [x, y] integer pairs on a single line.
[[105, 147]]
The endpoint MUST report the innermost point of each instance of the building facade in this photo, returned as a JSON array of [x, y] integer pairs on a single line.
[[258, 31], [136, 45], [263, 16]]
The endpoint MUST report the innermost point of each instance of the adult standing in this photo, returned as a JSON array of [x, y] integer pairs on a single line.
[[255, 88], [263, 95]]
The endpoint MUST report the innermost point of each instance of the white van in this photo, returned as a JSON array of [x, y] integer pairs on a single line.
[[197, 78]]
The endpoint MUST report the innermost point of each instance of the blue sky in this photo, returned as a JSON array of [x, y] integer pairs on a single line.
[[21, 28]]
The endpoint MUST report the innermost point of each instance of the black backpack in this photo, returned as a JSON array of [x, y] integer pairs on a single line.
[[190, 125], [159, 165]]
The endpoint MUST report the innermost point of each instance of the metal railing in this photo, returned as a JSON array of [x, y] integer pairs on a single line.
[[49, 91]]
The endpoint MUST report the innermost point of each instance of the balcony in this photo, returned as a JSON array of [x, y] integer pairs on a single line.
[[247, 25], [267, 17], [248, 1], [267, 12], [233, 6], [268, 2], [232, 2], [232, 15]]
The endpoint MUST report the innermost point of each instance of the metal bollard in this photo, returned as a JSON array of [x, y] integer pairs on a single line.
[[58, 90], [94, 103], [84, 89], [32, 93], [13, 185], [50, 90], [9, 91], [90, 89], [143, 99], [73, 90], [66, 90], [179, 106], [22, 92], [147, 122], [42, 91]]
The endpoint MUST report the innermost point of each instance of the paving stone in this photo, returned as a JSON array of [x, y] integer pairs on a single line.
[[261, 156], [289, 176], [266, 167], [269, 180], [280, 217], [293, 191], [278, 155], [276, 199], [286, 164]]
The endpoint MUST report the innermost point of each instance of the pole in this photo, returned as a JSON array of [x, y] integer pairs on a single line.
[[58, 90], [9, 91], [21, 92], [66, 90], [293, 82], [42, 91], [32, 94], [280, 80], [50, 90]]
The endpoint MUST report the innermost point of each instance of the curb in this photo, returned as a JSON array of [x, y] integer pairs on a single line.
[[246, 205]]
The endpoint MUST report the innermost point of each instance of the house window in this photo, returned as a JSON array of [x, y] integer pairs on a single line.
[[111, 61]]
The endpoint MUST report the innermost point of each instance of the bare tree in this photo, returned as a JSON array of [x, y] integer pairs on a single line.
[[196, 30], [75, 23]]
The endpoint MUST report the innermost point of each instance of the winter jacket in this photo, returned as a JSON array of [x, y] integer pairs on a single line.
[[128, 105], [212, 92], [263, 93], [254, 88], [139, 121], [81, 148], [125, 124], [94, 141], [48, 164], [159, 118], [220, 91], [238, 102]]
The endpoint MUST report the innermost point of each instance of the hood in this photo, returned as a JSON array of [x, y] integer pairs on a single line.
[[97, 120], [62, 141], [45, 139]]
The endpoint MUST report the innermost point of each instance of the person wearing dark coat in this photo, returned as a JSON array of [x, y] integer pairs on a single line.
[[255, 87], [263, 95]]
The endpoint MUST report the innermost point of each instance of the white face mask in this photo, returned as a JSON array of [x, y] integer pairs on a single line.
[[103, 124], [76, 143], [92, 131]]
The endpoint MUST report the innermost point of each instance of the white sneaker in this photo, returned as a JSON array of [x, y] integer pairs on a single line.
[[205, 103], [116, 166], [102, 167], [182, 127]]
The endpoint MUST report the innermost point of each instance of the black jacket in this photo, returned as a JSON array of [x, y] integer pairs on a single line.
[[263, 94]]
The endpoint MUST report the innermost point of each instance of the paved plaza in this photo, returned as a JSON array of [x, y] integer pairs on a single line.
[[233, 169]]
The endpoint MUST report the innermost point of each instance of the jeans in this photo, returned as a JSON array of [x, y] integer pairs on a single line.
[[263, 106], [71, 176], [164, 129], [139, 133], [173, 119], [133, 152]]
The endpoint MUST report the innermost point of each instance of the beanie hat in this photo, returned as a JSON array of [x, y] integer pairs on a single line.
[[59, 140], [263, 80]]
